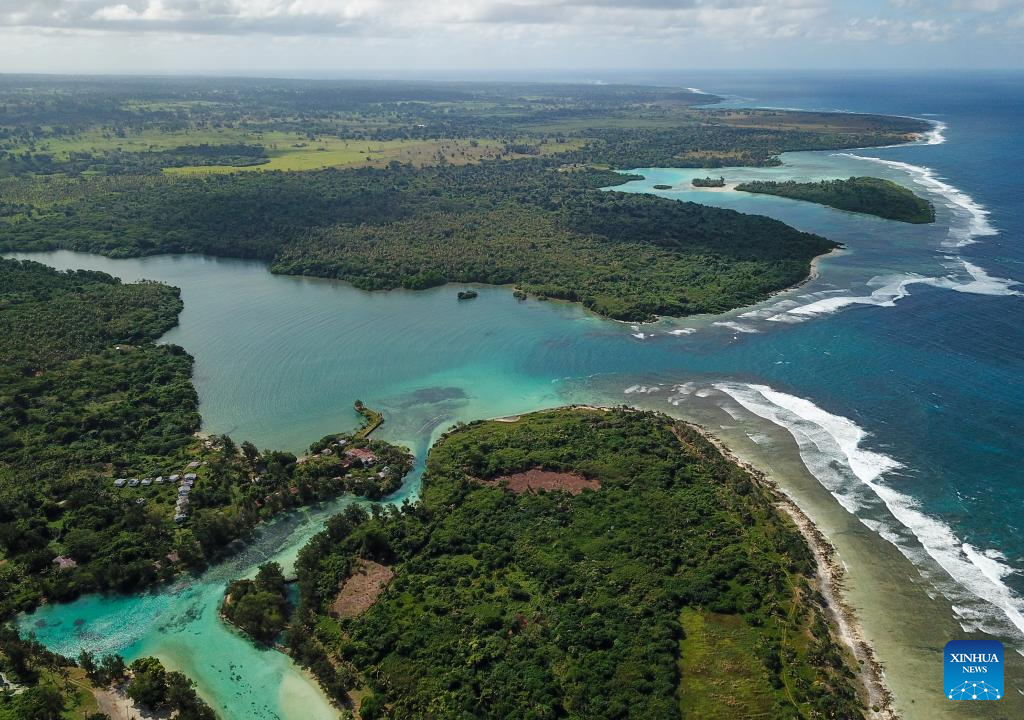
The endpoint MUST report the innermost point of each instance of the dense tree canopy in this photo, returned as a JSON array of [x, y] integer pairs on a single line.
[[259, 607], [868, 195], [535, 224], [494, 183], [86, 397], [551, 605]]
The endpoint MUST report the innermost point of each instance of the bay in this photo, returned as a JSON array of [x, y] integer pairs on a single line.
[[885, 394]]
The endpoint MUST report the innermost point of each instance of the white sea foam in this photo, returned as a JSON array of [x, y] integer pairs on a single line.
[[890, 289], [685, 389], [970, 220], [981, 283], [974, 215], [965, 277], [935, 136], [830, 443], [989, 562], [770, 311], [682, 331], [736, 327], [642, 389]]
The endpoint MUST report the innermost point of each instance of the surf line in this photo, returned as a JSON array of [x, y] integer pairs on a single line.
[[823, 439]]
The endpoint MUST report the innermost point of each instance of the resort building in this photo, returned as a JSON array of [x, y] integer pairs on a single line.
[[366, 457]]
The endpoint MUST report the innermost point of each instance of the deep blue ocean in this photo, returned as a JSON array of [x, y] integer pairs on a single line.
[[939, 377], [898, 372]]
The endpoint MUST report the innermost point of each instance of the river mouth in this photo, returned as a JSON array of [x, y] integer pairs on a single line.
[[280, 359]]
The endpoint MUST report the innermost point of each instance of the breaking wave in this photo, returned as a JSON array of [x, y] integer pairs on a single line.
[[891, 288], [935, 136], [831, 447], [973, 215]]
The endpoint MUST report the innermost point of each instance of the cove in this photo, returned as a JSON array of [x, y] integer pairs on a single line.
[[883, 390]]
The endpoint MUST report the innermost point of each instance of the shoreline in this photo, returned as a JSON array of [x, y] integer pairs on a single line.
[[829, 579], [812, 275]]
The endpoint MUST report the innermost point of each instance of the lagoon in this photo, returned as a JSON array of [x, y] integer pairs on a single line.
[[883, 395]]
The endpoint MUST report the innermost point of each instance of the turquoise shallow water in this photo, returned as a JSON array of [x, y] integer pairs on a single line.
[[896, 374]]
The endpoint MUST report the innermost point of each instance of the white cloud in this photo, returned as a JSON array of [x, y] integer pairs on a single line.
[[383, 17], [641, 33]]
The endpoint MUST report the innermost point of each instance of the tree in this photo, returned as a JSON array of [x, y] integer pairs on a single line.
[[181, 696], [110, 669], [87, 661], [372, 707], [39, 703], [270, 578], [260, 606], [179, 689], [250, 451], [149, 683]]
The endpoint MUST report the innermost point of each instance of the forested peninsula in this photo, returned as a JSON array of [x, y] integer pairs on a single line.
[[866, 195], [105, 484], [572, 563], [413, 185]]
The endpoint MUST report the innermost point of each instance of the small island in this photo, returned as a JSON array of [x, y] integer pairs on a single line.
[[662, 187], [867, 195], [467, 294], [258, 607], [709, 182]]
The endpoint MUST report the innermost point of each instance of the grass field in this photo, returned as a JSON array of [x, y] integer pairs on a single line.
[[289, 150], [721, 675], [298, 153], [99, 140], [82, 702]]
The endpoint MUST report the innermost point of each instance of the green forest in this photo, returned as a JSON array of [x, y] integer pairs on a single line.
[[529, 223], [492, 602], [553, 604], [258, 607], [89, 399], [412, 185], [867, 195]]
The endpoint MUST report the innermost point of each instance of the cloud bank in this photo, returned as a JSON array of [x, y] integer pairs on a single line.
[[489, 31]]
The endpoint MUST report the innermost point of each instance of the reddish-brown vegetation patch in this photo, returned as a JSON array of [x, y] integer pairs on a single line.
[[361, 589], [537, 479]]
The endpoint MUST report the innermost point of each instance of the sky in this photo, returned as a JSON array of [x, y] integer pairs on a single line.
[[362, 37]]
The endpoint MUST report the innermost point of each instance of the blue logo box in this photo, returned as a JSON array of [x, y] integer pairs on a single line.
[[973, 670]]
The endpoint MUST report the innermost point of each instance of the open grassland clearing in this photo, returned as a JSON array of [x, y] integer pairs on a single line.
[[720, 673], [287, 150], [296, 152]]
